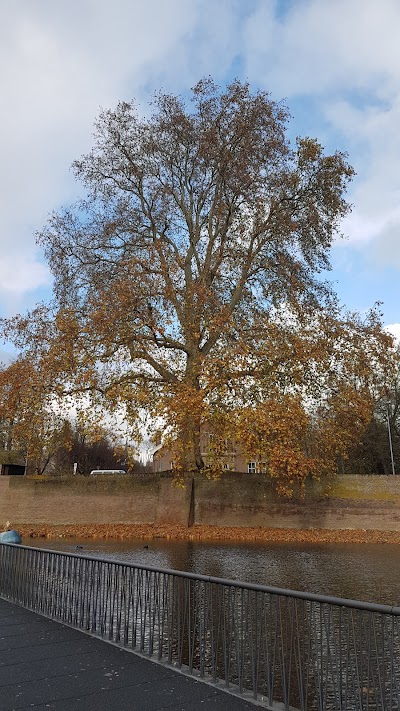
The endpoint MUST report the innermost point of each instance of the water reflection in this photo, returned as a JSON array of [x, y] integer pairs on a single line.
[[358, 571]]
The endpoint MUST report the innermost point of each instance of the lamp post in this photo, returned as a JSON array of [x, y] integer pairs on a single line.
[[390, 439]]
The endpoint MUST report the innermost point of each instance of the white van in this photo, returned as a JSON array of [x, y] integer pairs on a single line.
[[109, 472]]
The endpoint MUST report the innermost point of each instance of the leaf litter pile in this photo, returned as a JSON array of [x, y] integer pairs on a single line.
[[205, 533]]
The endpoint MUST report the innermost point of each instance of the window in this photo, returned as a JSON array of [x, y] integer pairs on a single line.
[[208, 441], [257, 467], [229, 445]]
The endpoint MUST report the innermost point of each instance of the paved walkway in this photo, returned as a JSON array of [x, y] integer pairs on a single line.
[[46, 666]]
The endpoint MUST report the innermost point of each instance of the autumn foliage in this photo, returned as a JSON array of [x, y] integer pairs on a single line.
[[29, 421], [188, 284]]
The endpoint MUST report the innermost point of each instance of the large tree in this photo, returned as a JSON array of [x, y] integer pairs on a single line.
[[184, 280]]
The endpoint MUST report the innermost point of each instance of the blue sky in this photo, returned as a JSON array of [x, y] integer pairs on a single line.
[[335, 62]]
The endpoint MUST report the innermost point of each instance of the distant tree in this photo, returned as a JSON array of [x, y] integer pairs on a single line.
[[89, 450], [201, 226], [93, 449], [30, 422], [372, 455]]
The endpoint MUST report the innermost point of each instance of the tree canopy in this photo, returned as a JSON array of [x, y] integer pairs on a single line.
[[187, 282]]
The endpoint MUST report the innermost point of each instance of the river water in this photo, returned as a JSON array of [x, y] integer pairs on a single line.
[[368, 572]]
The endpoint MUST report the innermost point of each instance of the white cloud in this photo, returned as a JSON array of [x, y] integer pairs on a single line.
[[394, 329], [59, 62], [320, 46], [5, 358], [347, 55], [374, 135], [18, 277]]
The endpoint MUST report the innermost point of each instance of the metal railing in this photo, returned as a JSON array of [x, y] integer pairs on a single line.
[[290, 650]]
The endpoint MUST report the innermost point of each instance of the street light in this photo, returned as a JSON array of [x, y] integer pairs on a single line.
[[390, 438]]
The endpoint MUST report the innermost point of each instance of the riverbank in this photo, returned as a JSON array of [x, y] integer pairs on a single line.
[[204, 533]]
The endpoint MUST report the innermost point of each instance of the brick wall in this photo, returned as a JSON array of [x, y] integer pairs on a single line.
[[94, 500], [367, 502]]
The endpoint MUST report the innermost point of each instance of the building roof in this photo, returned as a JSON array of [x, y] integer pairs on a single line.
[[12, 456]]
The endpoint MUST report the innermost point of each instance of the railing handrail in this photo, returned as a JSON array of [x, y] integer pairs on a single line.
[[312, 597]]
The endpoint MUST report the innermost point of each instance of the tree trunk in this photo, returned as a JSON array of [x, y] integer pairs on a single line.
[[9, 441], [192, 460]]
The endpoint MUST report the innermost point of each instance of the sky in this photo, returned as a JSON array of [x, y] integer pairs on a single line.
[[336, 63]]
